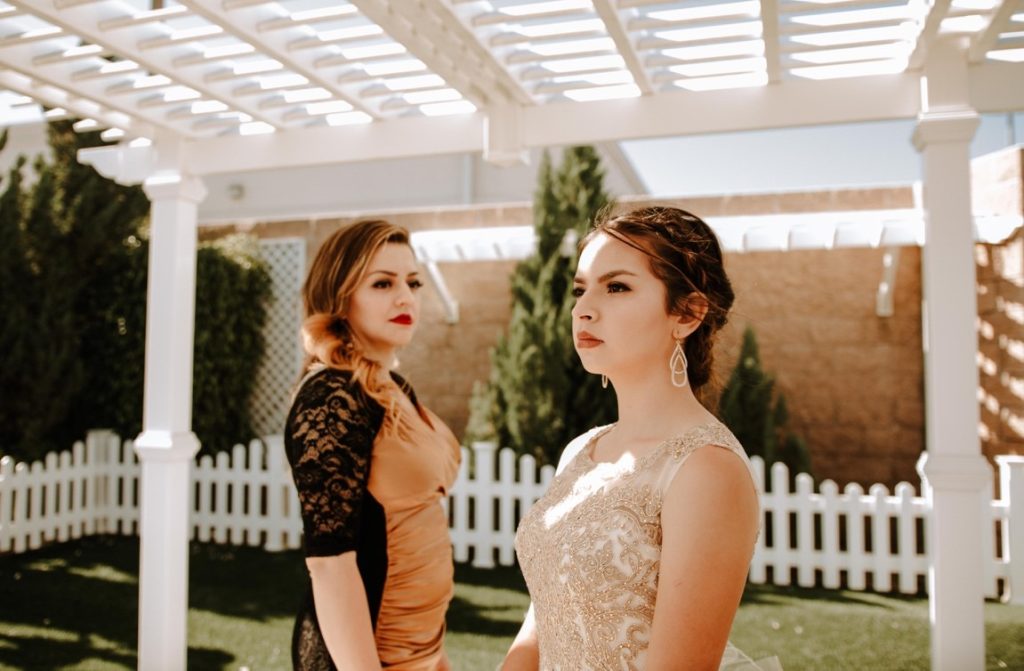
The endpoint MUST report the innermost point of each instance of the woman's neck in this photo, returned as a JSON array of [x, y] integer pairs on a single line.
[[651, 408]]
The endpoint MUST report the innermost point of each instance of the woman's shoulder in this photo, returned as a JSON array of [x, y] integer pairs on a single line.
[[577, 444], [336, 387]]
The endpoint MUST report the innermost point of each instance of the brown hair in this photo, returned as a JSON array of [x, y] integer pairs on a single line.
[[685, 255], [339, 267]]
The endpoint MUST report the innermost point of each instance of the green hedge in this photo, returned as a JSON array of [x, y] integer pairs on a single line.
[[73, 264]]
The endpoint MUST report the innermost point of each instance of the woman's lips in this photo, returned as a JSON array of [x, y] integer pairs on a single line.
[[585, 341], [404, 320]]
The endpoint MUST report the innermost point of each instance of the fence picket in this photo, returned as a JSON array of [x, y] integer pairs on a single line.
[[248, 497], [854, 556], [906, 523], [506, 530], [880, 557], [255, 481], [804, 530], [783, 555]]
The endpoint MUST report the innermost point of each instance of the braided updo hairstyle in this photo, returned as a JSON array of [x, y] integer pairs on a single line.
[[685, 255]]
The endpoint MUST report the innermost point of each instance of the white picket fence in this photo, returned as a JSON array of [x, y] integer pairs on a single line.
[[851, 538]]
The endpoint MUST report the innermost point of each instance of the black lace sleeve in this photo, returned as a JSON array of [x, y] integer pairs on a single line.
[[329, 437]]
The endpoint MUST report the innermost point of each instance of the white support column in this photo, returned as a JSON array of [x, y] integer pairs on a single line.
[[167, 445], [955, 472]]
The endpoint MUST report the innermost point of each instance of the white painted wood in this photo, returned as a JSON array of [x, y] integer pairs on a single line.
[[995, 23], [167, 445], [952, 465], [1011, 488], [496, 496], [618, 29]]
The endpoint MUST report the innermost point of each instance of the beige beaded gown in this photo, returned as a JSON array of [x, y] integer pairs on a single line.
[[590, 549]]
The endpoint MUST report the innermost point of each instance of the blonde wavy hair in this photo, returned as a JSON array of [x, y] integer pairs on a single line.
[[339, 267]]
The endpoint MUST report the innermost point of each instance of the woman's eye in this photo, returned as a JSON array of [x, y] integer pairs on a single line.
[[617, 287], [382, 284], [577, 291], [415, 284]]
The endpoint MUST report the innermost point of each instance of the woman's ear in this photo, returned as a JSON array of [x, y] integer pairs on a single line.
[[692, 317]]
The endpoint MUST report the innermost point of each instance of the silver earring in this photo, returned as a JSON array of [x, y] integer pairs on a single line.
[[677, 364], [604, 381]]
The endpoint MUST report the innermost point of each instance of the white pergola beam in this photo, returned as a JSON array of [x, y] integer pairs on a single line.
[[929, 31], [770, 35], [85, 19], [619, 33], [61, 76], [982, 41], [436, 35], [788, 104], [79, 107]]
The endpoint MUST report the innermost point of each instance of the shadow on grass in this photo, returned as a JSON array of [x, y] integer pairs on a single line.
[[246, 582], [488, 602], [774, 595], [500, 577], [71, 602]]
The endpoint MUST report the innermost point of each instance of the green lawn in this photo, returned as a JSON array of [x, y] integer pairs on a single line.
[[73, 606]]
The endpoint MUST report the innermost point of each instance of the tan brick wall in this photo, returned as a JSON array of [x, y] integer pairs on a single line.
[[997, 179], [1000, 267], [853, 380]]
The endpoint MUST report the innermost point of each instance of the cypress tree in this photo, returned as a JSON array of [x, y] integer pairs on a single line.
[[749, 408], [73, 280], [538, 396]]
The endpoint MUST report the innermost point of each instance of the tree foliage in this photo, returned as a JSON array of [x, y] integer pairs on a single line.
[[73, 264], [538, 396], [750, 409]]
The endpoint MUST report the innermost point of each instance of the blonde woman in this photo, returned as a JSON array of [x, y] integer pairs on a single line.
[[370, 464], [636, 556]]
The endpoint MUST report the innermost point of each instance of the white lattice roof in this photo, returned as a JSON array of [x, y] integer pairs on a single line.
[[454, 75]]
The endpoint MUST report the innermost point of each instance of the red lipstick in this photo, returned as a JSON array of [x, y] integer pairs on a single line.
[[585, 340], [404, 320]]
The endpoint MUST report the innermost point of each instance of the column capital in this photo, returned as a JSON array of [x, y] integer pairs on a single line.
[[174, 186], [944, 127], [164, 446], [948, 472]]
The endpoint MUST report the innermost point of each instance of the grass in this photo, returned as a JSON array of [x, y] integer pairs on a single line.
[[73, 606]]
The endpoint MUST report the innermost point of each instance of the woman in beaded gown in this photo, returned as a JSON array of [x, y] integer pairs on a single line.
[[636, 557], [371, 466]]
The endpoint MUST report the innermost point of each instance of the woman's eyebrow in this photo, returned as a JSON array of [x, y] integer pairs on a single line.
[[607, 276]]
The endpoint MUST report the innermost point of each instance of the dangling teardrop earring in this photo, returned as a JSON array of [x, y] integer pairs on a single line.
[[677, 364], [604, 381]]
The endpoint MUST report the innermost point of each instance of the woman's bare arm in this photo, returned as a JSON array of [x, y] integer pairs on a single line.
[[342, 611], [523, 655], [709, 527]]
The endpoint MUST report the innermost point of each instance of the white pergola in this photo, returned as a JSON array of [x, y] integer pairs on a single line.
[[204, 87]]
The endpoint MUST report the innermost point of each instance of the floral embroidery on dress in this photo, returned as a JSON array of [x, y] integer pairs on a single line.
[[590, 551]]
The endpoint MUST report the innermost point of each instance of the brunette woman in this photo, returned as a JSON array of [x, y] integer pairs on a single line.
[[637, 555], [371, 466]]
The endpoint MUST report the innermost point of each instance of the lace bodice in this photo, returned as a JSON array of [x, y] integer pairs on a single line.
[[331, 430], [590, 551]]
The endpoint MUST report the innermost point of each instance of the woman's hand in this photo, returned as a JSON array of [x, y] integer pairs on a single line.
[[341, 609]]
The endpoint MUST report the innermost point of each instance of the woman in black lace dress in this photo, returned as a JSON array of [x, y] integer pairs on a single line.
[[371, 466]]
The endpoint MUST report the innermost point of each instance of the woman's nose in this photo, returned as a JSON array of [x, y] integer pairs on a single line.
[[582, 309]]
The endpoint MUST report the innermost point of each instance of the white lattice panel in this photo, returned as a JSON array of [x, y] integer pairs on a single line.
[[286, 261]]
